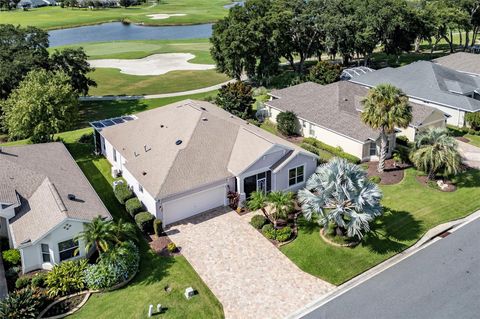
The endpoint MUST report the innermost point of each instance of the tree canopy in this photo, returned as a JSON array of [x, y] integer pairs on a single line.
[[236, 98]]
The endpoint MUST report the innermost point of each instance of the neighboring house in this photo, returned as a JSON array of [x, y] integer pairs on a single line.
[[452, 92], [462, 61], [185, 158], [45, 200], [27, 4], [331, 113]]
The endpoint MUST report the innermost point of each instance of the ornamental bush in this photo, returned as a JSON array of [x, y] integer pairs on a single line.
[[133, 206], [113, 267], [268, 231], [171, 247], [284, 234], [325, 73], [11, 257], [287, 123], [122, 193], [22, 282], [144, 221], [473, 119], [258, 221], [25, 303], [66, 278], [157, 227], [336, 151], [38, 281]]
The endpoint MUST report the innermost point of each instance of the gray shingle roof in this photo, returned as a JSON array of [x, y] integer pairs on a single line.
[[429, 82], [461, 61], [336, 107], [43, 175], [215, 146]]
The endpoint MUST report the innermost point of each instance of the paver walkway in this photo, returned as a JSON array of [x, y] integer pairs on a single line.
[[470, 154], [250, 276]]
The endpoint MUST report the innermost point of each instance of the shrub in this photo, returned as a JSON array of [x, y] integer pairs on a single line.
[[113, 267], [144, 221], [258, 221], [236, 98], [473, 119], [325, 73], [66, 278], [38, 281], [284, 234], [171, 247], [316, 146], [157, 227], [86, 138], [133, 206], [375, 179], [11, 257], [268, 231], [24, 303], [403, 140], [287, 123], [122, 193], [22, 282]]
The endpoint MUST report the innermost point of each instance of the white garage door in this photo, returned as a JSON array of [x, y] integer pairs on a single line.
[[191, 205]]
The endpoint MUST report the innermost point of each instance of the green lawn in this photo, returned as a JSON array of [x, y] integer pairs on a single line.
[[155, 272], [143, 48], [474, 139], [197, 11], [112, 82], [411, 210]]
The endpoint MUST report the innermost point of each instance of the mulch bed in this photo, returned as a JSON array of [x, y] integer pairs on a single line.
[[422, 179], [463, 139], [392, 174], [159, 245], [64, 306], [294, 139]]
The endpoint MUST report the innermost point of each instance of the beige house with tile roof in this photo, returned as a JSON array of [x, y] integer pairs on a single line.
[[45, 200], [184, 158], [331, 114]]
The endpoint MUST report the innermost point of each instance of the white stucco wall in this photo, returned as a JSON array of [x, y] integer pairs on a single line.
[[32, 255], [280, 178]]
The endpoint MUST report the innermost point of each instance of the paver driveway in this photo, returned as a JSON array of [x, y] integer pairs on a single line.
[[470, 154], [250, 276]]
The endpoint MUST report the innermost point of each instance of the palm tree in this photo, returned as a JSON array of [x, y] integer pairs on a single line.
[[386, 107], [99, 233], [340, 193], [434, 151], [280, 203], [124, 231]]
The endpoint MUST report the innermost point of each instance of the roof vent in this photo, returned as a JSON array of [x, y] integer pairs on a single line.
[[144, 173], [345, 99], [202, 108], [71, 196], [135, 154], [178, 142], [162, 126], [146, 148], [204, 119]]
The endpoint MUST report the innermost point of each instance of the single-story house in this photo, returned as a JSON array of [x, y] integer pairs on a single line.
[[465, 62], [188, 157], [452, 92], [27, 4], [331, 113], [45, 200]]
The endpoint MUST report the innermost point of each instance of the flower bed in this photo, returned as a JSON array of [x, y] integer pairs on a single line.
[[65, 306]]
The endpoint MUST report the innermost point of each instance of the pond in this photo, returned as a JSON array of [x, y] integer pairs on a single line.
[[117, 31]]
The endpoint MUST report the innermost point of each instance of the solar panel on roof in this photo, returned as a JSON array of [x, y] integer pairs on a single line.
[[108, 123], [118, 120], [128, 118], [97, 124]]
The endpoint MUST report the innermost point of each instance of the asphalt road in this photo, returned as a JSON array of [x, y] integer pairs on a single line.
[[440, 281]]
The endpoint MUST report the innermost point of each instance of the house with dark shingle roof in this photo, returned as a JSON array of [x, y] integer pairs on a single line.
[[186, 158], [331, 114], [452, 92], [45, 200]]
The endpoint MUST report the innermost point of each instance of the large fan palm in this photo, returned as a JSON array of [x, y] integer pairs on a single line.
[[280, 204], [99, 233], [385, 108], [340, 193], [436, 151]]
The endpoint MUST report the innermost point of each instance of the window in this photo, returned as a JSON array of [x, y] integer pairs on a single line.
[[67, 249], [140, 188], [295, 175], [373, 149], [312, 131], [114, 155], [45, 253], [304, 124]]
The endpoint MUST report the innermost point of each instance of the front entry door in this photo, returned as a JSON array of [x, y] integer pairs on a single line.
[[262, 185]]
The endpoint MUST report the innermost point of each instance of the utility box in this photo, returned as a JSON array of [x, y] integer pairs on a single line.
[[189, 292]]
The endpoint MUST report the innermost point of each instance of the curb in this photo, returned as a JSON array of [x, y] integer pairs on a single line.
[[429, 238]]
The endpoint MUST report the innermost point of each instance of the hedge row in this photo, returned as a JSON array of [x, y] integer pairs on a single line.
[[315, 146]]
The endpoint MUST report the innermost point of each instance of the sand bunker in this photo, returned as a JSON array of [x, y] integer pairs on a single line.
[[155, 64], [161, 16]]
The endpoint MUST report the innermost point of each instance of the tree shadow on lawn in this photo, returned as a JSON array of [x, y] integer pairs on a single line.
[[468, 179], [390, 231], [97, 110]]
